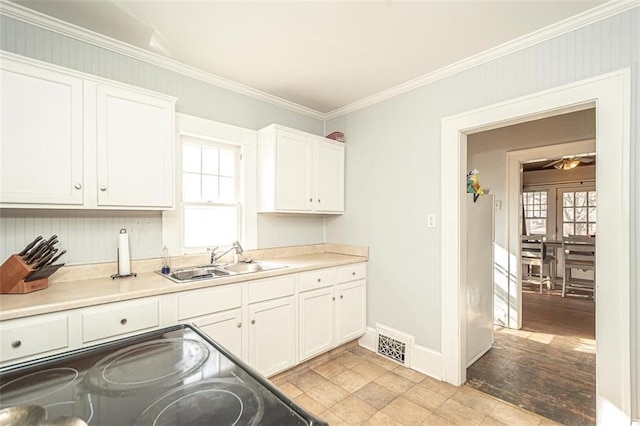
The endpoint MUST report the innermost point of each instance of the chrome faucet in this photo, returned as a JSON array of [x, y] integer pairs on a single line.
[[235, 246]]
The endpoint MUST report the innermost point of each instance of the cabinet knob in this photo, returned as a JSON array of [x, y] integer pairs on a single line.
[[253, 321], [16, 344], [319, 279], [353, 273], [78, 186], [239, 324], [342, 296], [103, 188], [319, 200], [311, 200], [123, 321], [333, 298]]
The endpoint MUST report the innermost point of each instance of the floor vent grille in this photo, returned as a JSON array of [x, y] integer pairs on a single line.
[[394, 344]]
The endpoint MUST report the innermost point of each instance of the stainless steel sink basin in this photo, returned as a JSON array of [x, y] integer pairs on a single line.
[[247, 268], [198, 273], [185, 275]]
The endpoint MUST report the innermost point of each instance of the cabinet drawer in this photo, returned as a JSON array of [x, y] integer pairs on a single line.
[[357, 271], [35, 337], [271, 289], [119, 319], [198, 303], [316, 279]]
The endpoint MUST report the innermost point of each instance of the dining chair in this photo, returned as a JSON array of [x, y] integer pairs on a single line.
[[533, 253], [579, 254]]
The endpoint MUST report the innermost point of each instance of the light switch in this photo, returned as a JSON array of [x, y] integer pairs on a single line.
[[431, 221]]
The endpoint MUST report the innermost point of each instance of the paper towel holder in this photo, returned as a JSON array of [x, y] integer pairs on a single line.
[[132, 274]]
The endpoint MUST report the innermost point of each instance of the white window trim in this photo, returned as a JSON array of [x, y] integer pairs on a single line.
[[246, 139]]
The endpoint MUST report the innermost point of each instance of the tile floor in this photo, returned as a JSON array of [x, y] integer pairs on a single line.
[[354, 386]]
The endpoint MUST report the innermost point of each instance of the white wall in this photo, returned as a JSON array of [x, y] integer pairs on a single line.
[[393, 167]]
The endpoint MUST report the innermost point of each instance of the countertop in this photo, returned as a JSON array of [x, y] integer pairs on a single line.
[[75, 294]]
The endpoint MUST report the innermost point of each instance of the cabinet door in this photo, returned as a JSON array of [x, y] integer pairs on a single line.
[[294, 156], [329, 184], [351, 316], [225, 328], [316, 311], [272, 335], [135, 150], [40, 136]]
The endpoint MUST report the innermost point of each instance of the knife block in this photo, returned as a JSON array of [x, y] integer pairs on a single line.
[[12, 274]]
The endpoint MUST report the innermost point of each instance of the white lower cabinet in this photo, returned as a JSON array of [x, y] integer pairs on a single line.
[[30, 337], [118, 319], [225, 328], [350, 311], [317, 309], [272, 335]]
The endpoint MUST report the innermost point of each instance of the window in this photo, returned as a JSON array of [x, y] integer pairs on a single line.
[[534, 204], [210, 193], [578, 213]]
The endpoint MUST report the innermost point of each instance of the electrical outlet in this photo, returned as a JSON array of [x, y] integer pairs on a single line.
[[431, 221]]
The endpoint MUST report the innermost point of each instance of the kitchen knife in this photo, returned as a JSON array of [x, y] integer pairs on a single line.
[[45, 272], [42, 250], [29, 246], [44, 260], [57, 257], [35, 252]]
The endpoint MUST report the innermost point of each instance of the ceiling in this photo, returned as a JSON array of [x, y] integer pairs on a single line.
[[586, 160], [323, 55]]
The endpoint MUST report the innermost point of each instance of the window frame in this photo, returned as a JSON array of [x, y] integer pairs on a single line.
[[190, 127], [546, 204], [561, 207]]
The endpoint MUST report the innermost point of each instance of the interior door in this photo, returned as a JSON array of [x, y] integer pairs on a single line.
[[576, 213], [480, 282]]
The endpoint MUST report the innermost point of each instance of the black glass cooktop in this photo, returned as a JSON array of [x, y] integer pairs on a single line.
[[174, 376]]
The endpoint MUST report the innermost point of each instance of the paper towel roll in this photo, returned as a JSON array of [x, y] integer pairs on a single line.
[[124, 263]]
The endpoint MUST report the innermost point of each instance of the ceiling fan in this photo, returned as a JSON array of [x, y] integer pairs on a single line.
[[568, 163]]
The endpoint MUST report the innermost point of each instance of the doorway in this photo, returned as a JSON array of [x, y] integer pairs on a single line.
[[610, 93]]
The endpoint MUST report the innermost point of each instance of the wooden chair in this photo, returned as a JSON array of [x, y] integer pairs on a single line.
[[579, 253], [533, 254]]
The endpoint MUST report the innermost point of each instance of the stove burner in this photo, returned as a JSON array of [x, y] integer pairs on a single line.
[[34, 386], [213, 402], [130, 369]]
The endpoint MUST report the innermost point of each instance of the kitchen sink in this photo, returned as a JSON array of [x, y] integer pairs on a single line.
[[247, 268], [198, 273], [185, 275]]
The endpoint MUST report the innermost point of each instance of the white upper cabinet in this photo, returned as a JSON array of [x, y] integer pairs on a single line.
[[134, 141], [299, 172], [69, 140], [40, 136]]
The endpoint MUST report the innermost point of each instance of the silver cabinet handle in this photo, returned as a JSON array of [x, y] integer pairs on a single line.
[[333, 298], [123, 321], [311, 200], [319, 200], [353, 273], [239, 324], [342, 296], [253, 321], [319, 279], [16, 344], [103, 188], [78, 186]]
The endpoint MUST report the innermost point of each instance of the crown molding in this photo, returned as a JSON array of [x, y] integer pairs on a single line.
[[573, 23], [50, 23]]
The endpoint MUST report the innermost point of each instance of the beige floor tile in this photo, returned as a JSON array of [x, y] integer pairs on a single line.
[[395, 383], [425, 397], [513, 416], [406, 412], [350, 381], [306, 380], [328, 394], [459, 414], [329, 369], [369, 370], [348, 359], [381, 419], [310, 404], [490, 421], [333, 420], [353, 410], [443, 388], [475, 399], [549, 422], [289, 389], [410, 374], [376, 395], [384, 363], [436, 420], [362, 352]]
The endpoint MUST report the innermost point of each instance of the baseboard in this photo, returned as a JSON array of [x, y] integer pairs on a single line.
[[424, 360]]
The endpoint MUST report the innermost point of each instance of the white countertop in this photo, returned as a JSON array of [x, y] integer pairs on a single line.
[[82, 293]]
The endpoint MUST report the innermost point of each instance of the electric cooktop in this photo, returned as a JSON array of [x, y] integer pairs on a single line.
[[173, 376]]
